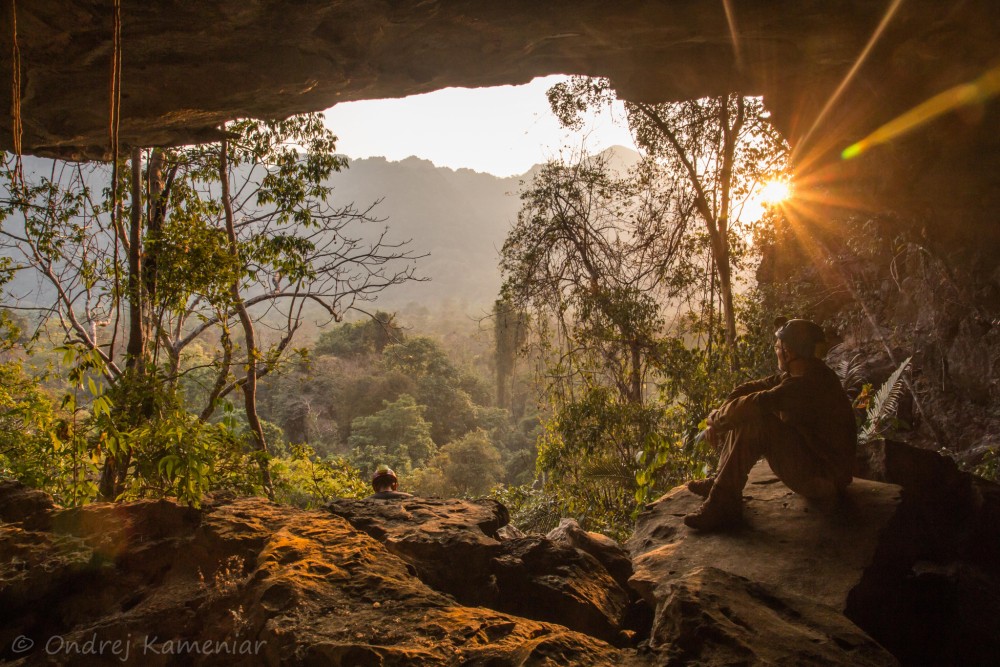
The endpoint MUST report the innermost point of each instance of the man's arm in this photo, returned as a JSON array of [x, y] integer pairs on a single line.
[[753, 386], [786, 395]]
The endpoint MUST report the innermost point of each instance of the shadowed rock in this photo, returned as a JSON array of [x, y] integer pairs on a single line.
[[932, 591], [712, 617], [454, 546], [788, 543], [299, 587], [608, 553]]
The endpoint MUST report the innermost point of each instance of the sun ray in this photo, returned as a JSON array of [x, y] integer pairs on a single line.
[[733, 32], [890, 12]]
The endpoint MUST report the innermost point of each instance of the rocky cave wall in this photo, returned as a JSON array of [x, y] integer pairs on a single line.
[[187, 67]]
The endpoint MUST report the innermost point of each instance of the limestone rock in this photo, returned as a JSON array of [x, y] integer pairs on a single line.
[[788, 544], [915, 565], [189, 66], [608, 553], [27, 506], [543, 580], [454, 546], [712, 617], [932, 591], [260, 583], [449, 542]]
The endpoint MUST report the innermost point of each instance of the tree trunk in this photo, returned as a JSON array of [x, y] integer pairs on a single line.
[[112, 481], [635, 378], [136, 351], [730, 134], [250, 386]]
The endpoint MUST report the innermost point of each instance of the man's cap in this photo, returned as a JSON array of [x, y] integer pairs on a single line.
[[384, 472], [800, 336]]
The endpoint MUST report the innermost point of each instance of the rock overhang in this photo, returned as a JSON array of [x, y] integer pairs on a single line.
[[189, 66]]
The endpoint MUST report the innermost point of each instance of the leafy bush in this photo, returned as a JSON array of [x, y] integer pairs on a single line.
[[531, 510], [989, 466], [306, 480]]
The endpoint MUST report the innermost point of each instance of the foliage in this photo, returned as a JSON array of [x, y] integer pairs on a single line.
[[599, 259], [531, 510], [189, 243], [881, 407], [366, 337], [470, 465], [600, 454], [594, 254], [307, 480], [717, 150], [989, 466], [179, 455], [27, 417], [397, 435], [449, 394]]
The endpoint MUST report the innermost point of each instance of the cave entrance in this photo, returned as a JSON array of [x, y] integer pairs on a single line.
[[500, 130]]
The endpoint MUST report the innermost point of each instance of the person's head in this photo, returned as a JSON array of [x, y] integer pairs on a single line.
[[384, 479], [796, 339]]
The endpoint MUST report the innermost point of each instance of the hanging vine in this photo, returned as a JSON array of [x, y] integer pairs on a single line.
[[16, 126], [114, 121]]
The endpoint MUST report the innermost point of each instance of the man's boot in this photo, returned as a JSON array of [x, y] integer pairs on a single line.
[[701, 487], [716, 513]]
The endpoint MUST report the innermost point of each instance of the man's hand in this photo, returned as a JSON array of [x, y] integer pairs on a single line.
[[711, 438]]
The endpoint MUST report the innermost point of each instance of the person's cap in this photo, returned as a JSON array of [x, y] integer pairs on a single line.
[[800, 336], [384, 472]]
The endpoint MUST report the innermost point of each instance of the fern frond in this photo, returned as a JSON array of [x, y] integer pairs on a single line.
[[851, 372], [609, 470], [884, 404]]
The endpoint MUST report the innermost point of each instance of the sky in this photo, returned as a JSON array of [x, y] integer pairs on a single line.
[[503, 130]]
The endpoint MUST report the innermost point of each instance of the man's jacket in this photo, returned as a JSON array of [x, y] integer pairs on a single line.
[[813, 404]]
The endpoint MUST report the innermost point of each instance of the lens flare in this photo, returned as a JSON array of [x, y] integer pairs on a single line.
[[975, 92]]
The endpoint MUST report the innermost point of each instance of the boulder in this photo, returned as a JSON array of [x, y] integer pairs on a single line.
[[712, 617], [915, 565], [608, 553], [789, 544], [456, 547], [540, 579], [244, 582], [931, 593], [448, 542], [27, 506]]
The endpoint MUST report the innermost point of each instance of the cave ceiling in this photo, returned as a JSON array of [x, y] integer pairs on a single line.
[[188, 66]]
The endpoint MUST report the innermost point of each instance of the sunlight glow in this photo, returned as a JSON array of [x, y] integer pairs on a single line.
[[775, 192]]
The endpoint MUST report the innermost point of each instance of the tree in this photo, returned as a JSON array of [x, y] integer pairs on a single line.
[[242, 231], [397, 435], [721, 147], [366, 337], [445, 390], [510, 332], [595, 254], [470, 465]]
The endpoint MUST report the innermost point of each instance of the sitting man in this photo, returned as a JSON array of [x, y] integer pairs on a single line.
[[800, 420], [385, 484]]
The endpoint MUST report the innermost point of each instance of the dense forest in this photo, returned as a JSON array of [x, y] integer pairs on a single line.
[[205, 320]]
